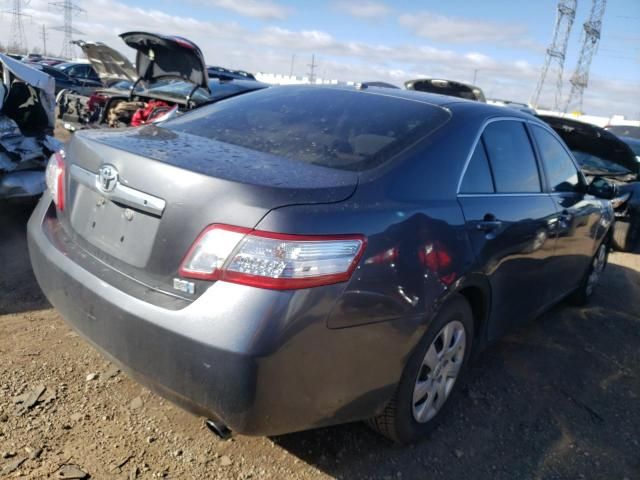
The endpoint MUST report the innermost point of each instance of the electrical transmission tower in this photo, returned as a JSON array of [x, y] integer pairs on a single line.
[[69, 9], [557, 51], [590, 39], [312, 69], [18, 40], [43, 37]]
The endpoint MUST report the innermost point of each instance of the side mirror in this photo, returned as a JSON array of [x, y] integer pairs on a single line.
[[601, 188]]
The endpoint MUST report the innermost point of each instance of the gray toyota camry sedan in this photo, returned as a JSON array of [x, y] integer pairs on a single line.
[[305, 256]]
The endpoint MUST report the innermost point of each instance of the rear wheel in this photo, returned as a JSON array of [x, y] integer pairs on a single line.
[[592, 277], [430, 376]]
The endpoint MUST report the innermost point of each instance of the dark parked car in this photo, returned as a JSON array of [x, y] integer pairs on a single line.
[[634, 144], [65, 82], [629, 134], [306, 256], [446, 87], [629, 131], [82, 72], [600, 153], [222, 73]]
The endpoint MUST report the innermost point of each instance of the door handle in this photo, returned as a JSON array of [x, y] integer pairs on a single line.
[[488, 223], [565, 216]]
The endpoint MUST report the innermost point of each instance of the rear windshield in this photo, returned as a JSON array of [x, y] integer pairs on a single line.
[[343, 129]]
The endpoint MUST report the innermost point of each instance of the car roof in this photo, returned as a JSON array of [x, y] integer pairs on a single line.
[[454, 104]]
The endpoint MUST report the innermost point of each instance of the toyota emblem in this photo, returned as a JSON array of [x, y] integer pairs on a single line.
[[107, 178]]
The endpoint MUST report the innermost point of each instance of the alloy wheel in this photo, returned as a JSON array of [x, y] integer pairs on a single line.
[[439, 371]]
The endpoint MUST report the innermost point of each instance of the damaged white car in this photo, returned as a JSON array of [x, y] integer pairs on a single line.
[[170, 77], [27, 120]]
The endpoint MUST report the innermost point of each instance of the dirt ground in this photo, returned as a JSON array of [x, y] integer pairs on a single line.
[[560, 399]]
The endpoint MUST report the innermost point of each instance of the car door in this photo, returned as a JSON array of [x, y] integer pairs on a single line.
[[510, 223], [578, 216]]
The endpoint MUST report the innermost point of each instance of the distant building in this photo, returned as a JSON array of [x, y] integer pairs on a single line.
[[277, 79]]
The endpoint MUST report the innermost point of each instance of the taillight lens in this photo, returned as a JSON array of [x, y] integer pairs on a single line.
[[272, 260], [55, 178]]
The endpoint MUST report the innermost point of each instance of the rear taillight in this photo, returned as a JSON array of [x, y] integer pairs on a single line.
[[272, 260], [55, 178]]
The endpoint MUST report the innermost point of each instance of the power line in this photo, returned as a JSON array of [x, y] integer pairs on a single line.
[[312, 66]]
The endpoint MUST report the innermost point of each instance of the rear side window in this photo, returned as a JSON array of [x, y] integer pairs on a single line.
[[477, 178], [562, 174], [93, 75], [54, 73], [343, 129], [511, 155], [76, 71]]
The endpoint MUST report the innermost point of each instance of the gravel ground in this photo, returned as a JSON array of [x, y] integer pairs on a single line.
[[559, 399]]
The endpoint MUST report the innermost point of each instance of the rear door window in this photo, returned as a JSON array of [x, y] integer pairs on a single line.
[[92, 75], [75, 71], [333, 127], [562, 174], [477, 178], [511, 156]]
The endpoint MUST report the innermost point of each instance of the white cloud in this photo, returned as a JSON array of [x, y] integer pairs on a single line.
[[300, 40], [269, 49], [263, 9], [365, 9], [441, 28]]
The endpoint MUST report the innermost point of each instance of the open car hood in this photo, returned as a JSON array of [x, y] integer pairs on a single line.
[[165, 57], [110, 65]]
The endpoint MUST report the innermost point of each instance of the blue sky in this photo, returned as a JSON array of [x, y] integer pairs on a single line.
[[393, 41], [620, 28]]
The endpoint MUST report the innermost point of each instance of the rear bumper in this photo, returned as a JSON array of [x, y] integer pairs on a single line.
[[261, 361]]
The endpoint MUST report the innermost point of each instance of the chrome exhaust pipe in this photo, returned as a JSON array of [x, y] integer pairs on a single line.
[[219, 428]]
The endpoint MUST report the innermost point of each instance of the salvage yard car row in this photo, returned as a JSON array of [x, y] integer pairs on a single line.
[[300, 256]]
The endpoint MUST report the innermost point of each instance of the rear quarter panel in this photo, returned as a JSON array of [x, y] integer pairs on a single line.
[[417, 248]]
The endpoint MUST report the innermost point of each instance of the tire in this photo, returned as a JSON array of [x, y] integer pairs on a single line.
[[592, 277], [406, 418]]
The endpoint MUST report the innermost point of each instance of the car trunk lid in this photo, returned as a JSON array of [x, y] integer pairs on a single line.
[[110, 65], [170, 186], [167, 57]]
